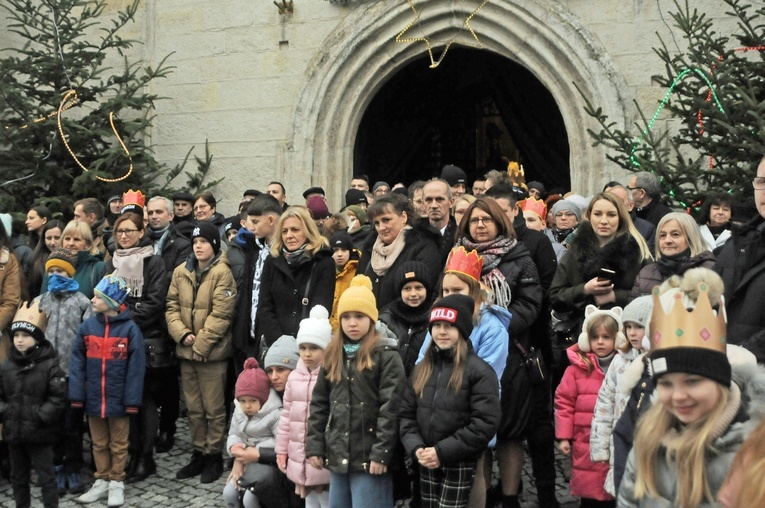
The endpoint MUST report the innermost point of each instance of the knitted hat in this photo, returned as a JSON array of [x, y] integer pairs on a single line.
[[315, 329], [313, 190], [208, 231], [453, 175], [591, 312], [282, 353], [62, 258], [355, 197], [358, 212], [183, 196], [342, 240], [318, 207], [639, 311], [455, 309], [566, 205], [412, 271], [113, 290], [232, 222], [358, 298], [253, 382], [379, 184], [536, 185], [30, 319]]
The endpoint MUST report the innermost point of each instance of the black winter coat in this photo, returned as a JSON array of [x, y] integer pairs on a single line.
[[32, 395], [282, 290], [410, 326], [459, 425], [243, 339], [175, 251], [526, 293], [540, 249]]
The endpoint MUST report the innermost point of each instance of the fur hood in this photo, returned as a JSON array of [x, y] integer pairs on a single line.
[[620, 254], [751, 380]]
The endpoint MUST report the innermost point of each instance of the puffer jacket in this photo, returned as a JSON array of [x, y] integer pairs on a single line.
[[65, 311], [342, 282], [10, 294], [458, 425], [293, 427], [204, 308], [89, 270], [749, 411], [107, 366], [32, 395], [355, 421], [655, 273], [574, 406], [410, 326], [526, 291], [258, 430]]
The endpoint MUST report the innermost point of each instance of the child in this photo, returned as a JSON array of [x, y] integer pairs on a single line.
[[611, 402], [256, 415], [312, 484], [66, 309], [575, 401], [353, 422], [451, 410], [106, 379], [346, 260], [32, 400]]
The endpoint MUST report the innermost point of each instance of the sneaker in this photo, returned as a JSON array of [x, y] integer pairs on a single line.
[[116, 494], [75, 483], [213, 468], [99, 490], [60, 480], [193, 468]]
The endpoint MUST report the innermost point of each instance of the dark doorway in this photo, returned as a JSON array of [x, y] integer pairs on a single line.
[[470, 111]]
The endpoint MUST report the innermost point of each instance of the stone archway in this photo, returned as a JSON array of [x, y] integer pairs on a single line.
[[362, 54]]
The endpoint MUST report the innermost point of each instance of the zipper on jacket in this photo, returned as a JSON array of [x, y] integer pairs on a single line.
[[103, 370]]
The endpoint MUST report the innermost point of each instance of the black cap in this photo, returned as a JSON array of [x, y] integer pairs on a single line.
[[355, 197], [456, 309], [251, 193], [209, 232], [183, 196], [454, 175], [313, 190], [232, 222], [342, 240]]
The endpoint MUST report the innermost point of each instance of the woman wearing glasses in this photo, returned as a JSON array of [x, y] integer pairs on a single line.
[[135, 262], [513, 282], [204, 210]]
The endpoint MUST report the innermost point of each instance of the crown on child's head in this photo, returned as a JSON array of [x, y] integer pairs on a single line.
[[133, 202], [534, 205], [464, 262], [30, 319]]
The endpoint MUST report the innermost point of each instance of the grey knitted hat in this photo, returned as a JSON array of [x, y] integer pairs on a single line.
[[639, 311], [566, 205], [283, 353]]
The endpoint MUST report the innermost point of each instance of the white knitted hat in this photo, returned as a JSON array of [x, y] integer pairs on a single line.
[[315, 329], [639, 311], [589, 313]]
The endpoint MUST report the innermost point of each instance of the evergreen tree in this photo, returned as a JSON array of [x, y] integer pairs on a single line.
[[715, 135]]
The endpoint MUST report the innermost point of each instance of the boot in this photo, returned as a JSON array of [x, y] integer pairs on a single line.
[[546, 496], [99, 490], [143, 469], [74, 482], [116, 494], [510, 502], [60, 480], [132, 463], [213, 468], [193, 468], [165, 442]]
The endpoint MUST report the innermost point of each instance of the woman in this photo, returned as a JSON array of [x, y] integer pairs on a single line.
[[679, 247], [89, 269], [714, 219], [10, 289], [144, 272], [298, 275], [50, 237], [513, 283], [37, 217], [394, 243], [461, 205], [204, 210]]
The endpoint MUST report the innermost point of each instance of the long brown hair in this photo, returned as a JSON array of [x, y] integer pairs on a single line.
[[749, 465], [424, 369], [333, 355]]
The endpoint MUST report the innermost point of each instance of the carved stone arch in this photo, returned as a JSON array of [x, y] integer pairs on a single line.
[[361, 55]]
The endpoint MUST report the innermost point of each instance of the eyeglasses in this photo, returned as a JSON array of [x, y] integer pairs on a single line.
[[486, 221], [201, 207], [758, 183], [125, 232], [634, 188]]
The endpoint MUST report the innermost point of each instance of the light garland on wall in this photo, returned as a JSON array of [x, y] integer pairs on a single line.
[[433, 62]]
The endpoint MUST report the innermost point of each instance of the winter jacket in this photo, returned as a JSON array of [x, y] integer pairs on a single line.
[[237, 257], [203, 306], [526, 292], [65, 311], [175, 251], [359, 237], [243, 335], [653, 211], [654, 274], [342, 282], [750, 379], [283, 289], [712, 242], [420, 244], [574, 406], [107, 366], [89, 270], [608, 408], [354, 421], [489, 338], [293, 427], [32, 395], [10, 290], [410, 326], [458, 425], [540, 249], [258, 430]]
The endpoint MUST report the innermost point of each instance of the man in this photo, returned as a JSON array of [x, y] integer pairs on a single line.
[[172, 248], [415, 197], [741, 264], [456, 177], [360, 183], [646, 192], [355, 197], [380, 189], [183, 206], [479, 186], [314, 191], [90, 211], [438, 201], [276, 189], [645, 228]]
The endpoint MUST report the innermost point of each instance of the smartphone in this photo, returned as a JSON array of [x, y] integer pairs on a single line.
[[606, 274]]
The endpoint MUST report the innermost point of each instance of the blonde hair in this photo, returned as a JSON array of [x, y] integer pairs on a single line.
[[626, 225], [424, 369], [82, 229], [333, 355], [593, 325], [690, 229], [314, 241], [749, 464], [688, 452]]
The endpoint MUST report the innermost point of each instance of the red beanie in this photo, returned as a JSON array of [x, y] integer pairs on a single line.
[[253, 382]]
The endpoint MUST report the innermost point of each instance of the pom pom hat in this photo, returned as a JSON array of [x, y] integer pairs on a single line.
[[253, 382], [113, 290], [591, 312], [315, 329], [358, 298], [62, 258], [30, 319], [455, 309]]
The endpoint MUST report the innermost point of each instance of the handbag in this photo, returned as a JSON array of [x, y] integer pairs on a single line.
[[533, 363]]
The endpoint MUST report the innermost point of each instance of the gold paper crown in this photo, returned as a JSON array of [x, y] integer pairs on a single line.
[[535, 205], [699, 327], [132, 198], [30, 312], [464, 262]]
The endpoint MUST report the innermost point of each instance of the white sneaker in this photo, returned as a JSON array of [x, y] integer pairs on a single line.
[[116, 494], [99, 490]]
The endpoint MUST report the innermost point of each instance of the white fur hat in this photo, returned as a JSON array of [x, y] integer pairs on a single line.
[[315, 329], [589, 313]]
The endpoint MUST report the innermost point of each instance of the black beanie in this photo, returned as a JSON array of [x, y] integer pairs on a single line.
[[455, 309], [342, 240], [691, 360], [209, 232], [412, 271], [454, 175], [355, 197]]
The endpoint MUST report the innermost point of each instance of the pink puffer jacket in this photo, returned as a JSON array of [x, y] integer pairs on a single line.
[[575, 401], [293, 427]]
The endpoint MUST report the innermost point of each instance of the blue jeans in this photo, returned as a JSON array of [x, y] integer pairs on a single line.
[[360, 489]]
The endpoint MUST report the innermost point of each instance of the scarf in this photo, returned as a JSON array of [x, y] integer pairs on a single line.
[[159, 237], [294, 257], [60, 284], [128, 264], [560, 235], [383, 256], [262, 256], [492, 253], [670, 265], [351, 349]]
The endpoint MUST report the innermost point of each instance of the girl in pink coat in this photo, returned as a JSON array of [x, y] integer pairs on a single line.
[[575, 401], [312, 484]]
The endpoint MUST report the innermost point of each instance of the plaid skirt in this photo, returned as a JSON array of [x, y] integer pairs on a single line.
[[448, 486]]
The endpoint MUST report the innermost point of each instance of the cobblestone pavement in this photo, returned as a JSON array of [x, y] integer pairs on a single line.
[[164, 490]]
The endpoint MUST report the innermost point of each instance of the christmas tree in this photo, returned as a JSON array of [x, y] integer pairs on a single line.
[[714, 133]]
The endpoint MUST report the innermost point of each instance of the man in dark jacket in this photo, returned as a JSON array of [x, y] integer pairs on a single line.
[[438, 200], [646, 191], [646, 229]]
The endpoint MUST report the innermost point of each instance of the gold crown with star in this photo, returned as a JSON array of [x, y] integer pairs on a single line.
[[699, 327], [464, 262]]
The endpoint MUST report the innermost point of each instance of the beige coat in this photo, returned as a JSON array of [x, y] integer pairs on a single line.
[[10, 297]]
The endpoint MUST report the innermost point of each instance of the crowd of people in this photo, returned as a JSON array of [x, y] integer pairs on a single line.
[[392, 351]]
